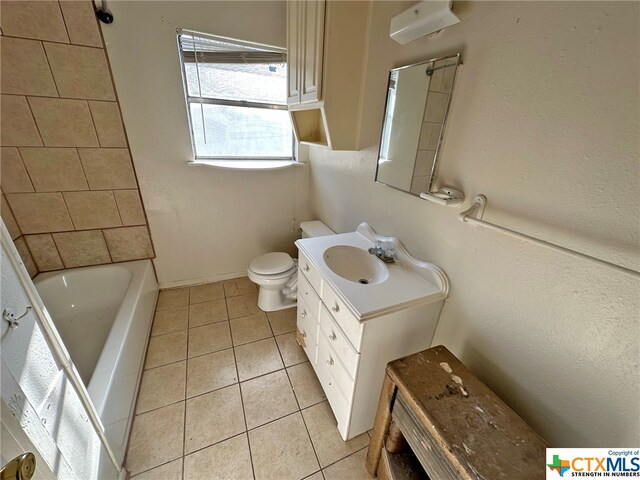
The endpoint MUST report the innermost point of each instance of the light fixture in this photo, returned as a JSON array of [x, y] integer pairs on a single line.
[[422, 19]]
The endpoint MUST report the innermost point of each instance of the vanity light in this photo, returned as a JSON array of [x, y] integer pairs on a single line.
[[424, 18]]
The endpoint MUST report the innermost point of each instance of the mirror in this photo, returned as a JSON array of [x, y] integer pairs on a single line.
[[418, 99]]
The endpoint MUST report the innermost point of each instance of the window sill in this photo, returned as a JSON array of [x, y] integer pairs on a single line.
[[255, 165]]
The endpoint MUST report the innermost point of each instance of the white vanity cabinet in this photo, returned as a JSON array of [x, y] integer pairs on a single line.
[[348, 353]]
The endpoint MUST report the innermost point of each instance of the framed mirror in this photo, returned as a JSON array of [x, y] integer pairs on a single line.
[[418, 98]]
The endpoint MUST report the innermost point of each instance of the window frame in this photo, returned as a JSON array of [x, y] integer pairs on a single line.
[[189, 100]]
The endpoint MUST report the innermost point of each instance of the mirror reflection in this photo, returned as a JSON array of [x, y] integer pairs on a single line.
[[418, 99]]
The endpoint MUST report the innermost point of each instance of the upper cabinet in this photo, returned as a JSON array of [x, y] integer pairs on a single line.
[[305, 27], [326, 42]]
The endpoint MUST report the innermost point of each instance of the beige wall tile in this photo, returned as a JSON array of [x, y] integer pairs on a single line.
[[9, 219], [40, 212], [54, 169], [130, 207], [26, 257], [80, 72], [429, 136], [106, 117], [44, 252], [33, 19], [81, 22], [25, 70], [436, 107], [419, 184], [64, 123], [79, 249], [108, 168], [18, 126], [14, 177], [129, 243], [424, 162], [91, 210]]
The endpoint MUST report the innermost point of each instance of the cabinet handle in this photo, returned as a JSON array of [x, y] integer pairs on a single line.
[[332, 337], [306, 268], [330, 361], [303, 314], [335, 308], [304, 334]]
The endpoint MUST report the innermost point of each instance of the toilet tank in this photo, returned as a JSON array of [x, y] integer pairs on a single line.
[[314, 228]]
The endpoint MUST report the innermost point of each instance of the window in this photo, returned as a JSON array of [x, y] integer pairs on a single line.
[[236, 98]]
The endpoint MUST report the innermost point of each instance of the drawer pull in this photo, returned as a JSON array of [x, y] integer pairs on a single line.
[[303, 314], [335, 308], [306, 268], [332, 337], [330, 361]]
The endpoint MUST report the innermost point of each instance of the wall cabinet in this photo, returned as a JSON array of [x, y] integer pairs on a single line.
[[305, 44], [326, 43], [349, 355]]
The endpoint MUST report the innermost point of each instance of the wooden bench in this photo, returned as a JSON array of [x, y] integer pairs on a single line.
[[453, 423]]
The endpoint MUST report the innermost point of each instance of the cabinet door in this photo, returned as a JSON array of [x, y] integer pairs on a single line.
[[294, 37], [312, 51]]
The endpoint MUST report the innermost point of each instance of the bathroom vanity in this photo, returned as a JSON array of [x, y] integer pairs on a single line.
[[356, 313]]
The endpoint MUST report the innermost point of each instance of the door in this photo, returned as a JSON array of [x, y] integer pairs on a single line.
[[294, 25], [312, 51]]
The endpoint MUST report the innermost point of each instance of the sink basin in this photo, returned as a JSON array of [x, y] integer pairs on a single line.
[[355, 264]]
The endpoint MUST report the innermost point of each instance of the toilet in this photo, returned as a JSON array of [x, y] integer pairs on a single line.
[[276, 273]]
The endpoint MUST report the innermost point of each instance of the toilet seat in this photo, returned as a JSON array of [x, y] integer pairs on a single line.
[[272, 264]]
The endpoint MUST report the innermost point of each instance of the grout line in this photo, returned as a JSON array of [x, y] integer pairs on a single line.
[[64, 22], [186, 381], [33, 117], [244, 413], [24, 165], [53, 77]]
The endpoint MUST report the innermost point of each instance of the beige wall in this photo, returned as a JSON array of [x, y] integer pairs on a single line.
[[70, 195], [544, 121], [207, 223]]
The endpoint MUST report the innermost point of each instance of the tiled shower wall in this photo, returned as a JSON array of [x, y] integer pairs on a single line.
[[70, 196]]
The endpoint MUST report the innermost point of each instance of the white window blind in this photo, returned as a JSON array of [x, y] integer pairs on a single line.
[[236, 98]]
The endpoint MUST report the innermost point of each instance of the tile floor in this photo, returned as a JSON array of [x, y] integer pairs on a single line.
[[227, 393]]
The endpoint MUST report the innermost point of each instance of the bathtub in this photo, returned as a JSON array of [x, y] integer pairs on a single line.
[[103, 315]]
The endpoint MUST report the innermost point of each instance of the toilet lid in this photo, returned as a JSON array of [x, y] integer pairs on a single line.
[[271, 263]]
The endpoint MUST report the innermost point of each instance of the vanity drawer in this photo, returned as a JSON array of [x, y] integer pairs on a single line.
[[339, 405], [329, 362], [347, 322], [308, 327], [339, 342], [310, 272], [306, 292]]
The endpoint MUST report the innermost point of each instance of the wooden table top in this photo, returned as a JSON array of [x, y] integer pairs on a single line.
[[479, 435]]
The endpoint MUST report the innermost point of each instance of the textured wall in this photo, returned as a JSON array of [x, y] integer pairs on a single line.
[[70, 194], [544, 121], [207, 223]]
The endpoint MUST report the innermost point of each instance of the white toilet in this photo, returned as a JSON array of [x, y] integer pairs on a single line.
[[276, 273]]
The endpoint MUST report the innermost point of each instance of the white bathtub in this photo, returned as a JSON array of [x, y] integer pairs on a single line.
[[103, 315]]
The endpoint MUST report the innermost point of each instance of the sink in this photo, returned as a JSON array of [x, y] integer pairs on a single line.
[[355, 265]]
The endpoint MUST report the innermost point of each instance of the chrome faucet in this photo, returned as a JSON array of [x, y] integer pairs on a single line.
[[385, 254]]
